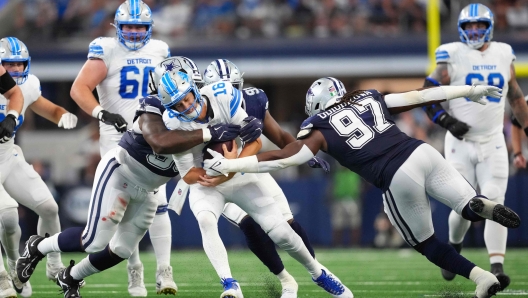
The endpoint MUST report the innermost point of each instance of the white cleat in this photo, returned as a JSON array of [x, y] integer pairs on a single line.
[[488, 285], [231, 289], [6, 290], [165, 282], [24, 289], [288, 293], [136, 285]]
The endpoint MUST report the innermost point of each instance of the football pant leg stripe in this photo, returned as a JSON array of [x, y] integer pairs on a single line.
[[398, 219]]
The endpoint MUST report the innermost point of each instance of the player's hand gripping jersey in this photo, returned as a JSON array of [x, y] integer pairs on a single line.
[[374, 146], [223, 106], [467, 66], [31, 91], [128, 75]]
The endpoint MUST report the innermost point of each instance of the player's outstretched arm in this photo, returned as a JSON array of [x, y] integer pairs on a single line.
[[275, 133], [54, 113], [517, 102], [293, 154]]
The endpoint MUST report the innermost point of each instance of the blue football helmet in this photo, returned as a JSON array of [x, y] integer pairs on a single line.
[[224, 70], [133, 12], [324, 93], [13, 50], [172, 88], [475, 12]]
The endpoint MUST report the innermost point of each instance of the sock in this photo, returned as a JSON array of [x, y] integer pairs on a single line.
[[287, 280], [284, 236], [83, 269], [261, 245], [457, 247], [50, 244], [444, 256], [134, 261], [161, 237], [302, 233], [212, 243], [70, 240], [458, 227], [49, 222], [476, 272], [104, 259], [495, 237], [10, 233]]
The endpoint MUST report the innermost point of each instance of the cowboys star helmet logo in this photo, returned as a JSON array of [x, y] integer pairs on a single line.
[[170, 66]]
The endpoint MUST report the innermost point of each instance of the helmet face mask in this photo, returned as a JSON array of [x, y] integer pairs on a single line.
[[13, 50], [173, 87], [223, 70], [475, 13], [324, 93], [133, 12]]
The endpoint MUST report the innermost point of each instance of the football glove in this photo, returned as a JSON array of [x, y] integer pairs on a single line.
[[223, 132], [457, 128], [68, 121], [478, 91], [317, 162], [251, 130], [6, 128], [216, 165], [116, 120]]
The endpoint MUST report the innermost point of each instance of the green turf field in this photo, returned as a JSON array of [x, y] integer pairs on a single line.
[[368, 273]]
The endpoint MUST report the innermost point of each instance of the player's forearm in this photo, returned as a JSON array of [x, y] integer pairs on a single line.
[[516, 137], [193, 175], [16, 99], [83, 96], [520, 110], [251, 148], [175, 141]]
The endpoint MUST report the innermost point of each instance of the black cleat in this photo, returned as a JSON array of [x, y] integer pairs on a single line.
[[448, 275], [503, 278], [492, 291], [496, 212], [69, 286], [25, 265]]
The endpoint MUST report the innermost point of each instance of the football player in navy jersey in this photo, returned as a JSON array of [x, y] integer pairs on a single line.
[[123, 203], [357, 129], [255, 103]]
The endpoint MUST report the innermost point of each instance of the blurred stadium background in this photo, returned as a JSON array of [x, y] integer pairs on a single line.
[[282, 46]]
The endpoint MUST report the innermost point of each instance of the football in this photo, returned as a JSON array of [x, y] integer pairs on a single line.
[[216, 147]]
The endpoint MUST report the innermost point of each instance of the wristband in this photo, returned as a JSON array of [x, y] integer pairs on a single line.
[[206, 135], [15, 114], [96, 111], [517, 154]]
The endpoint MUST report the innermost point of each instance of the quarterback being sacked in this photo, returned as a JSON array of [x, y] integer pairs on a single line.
[[255, 103], [190, 109], [474, 144], [119, 68], [20, 182], [358, 130]]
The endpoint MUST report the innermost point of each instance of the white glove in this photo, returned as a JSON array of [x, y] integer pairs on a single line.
[[477, 92], [216, 166], [68, 121]]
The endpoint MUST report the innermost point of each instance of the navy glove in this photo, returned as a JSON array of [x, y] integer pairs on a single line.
[[6, 128], [252, 130], [116, 120], [223, 132], [457, 128], [317, 162]]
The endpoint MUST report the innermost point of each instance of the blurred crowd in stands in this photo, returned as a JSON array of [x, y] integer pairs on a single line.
[[244, 19]]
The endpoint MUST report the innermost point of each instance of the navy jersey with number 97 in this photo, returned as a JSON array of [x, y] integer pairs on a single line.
[[362, 136]]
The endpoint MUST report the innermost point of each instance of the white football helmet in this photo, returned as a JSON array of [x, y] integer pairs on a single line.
[[179, 63], [475, 12], [13, 50], [173, 87], [223, 70], [133, 12], [323, 93]]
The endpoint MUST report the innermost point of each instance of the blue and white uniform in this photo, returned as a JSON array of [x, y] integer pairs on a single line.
[[123, 197], [256, 104], [364, 138], [20, 181]]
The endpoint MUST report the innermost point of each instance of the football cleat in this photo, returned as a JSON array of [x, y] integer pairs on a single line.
[[288, 293], [448, 275], [503, 278], [231, 288], [25, 265], [488, 286], [494, 211], [165, 282], [333, 286], [24, 289], [136, 285], [6, 291], [69, 286]]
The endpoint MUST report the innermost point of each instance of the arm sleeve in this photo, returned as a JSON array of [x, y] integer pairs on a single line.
[[6, 83], [435, 112]]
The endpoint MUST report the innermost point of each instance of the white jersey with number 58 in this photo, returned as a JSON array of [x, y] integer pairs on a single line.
[[128, 75], [467, 66]]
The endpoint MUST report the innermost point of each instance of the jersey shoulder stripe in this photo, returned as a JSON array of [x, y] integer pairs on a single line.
[[446, 52]]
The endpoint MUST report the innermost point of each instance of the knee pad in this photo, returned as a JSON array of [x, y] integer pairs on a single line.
[[493, 193], [123, 248], [9, 220], [206, 220], [146, 219], [48, 209], [282, 234], [93, 248]]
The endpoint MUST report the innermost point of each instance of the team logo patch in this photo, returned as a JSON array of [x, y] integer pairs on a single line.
[[125, 185], [169, 66], [332, 90], [179, 191]]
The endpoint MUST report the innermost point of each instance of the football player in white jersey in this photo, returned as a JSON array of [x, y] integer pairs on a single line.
[[474, 143], [119, 68], [190, 109], [20, 183]]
